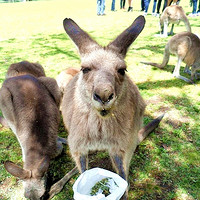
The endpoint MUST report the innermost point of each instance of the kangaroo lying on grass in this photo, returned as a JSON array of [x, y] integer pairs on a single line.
[[102, 108], [173, 14], [29, 104], [186, 46]]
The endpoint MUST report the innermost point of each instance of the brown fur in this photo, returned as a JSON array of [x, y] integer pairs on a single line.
[[65, 76], [25, 67], [186, 46], [173, 14], [102, 108], [30, 108]]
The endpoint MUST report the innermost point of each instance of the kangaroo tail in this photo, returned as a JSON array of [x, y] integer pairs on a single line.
[[165, 59], [144, 132], [152, 64]]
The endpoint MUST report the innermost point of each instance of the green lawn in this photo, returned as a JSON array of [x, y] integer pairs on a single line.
[[166, 166]]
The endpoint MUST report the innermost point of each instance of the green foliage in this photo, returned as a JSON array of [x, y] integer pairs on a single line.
[[103, 186], [166, 165]]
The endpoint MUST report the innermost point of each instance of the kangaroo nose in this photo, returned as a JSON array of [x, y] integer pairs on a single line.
[[103, 98]]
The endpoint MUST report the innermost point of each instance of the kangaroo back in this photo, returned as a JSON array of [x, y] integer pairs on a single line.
[[30, 107], [25, 67]]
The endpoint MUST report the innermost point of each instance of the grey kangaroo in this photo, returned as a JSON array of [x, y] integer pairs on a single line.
[[30, 106], [186, 46], [102, 108], [173, 14]]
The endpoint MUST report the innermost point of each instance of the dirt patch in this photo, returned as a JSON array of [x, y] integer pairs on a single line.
[[154, 100]]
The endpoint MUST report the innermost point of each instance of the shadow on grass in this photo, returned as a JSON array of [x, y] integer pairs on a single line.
[[158, 49], [162, 84], [168, 161]]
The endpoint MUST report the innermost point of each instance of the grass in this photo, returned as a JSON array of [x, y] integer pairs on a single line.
[[165, 166]]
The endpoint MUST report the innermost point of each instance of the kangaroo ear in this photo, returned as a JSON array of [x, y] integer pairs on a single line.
[[17, 171], [82, 40], [41, 168], [126, 38]]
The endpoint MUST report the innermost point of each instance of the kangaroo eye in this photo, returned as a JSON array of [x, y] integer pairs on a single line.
[[85, 70], [121, 71]]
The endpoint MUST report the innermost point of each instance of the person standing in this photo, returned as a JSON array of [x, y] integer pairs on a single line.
[[101, 7]]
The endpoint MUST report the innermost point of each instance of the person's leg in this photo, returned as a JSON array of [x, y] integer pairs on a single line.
[[199, 6], [124, 2], [169, 2], [198, 12], [113, 5], [194, 11], [130, 8], [142, 5], [98, 7], [154, 6], [165, 5], [103, 7], [158, 6], [146, 6]]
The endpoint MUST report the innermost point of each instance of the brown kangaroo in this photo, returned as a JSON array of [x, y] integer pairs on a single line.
[[22, 68], [173, 14], [186, 46], [65, 76], [102, 108], [25, 67], [29, 104]]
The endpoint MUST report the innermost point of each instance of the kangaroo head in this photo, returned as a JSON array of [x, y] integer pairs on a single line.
[[103, 69], [34, 181]]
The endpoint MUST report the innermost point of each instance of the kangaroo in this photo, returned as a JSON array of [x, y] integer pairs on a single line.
[[30, 107], [186, 46], [65, 76], [102, 108], [22, 68], [173, 14], [25, 67]]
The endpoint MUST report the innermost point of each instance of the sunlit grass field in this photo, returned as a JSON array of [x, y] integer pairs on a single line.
[[166, 166]]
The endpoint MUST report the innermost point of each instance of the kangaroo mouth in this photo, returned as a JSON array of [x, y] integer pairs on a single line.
[[104, 112]]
